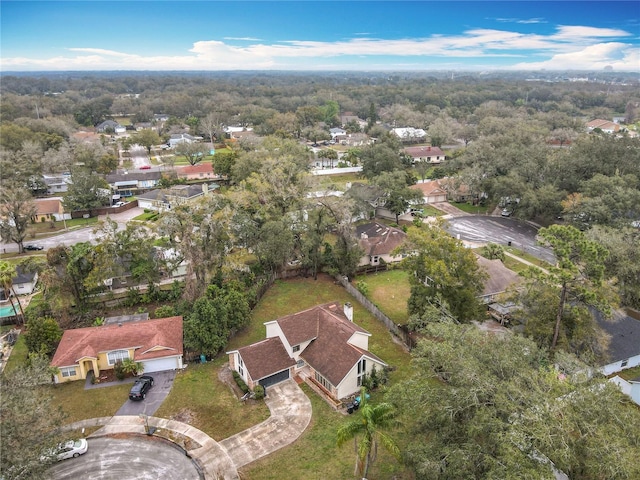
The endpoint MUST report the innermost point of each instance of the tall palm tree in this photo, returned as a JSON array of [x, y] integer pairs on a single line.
[[366, 432], [7, 272]]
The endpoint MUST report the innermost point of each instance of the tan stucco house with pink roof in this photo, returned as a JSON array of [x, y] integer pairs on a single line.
[[156, 344], [321, 344]]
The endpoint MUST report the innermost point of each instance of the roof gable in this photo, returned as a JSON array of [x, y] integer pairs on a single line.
[[155, 338], [378, 239], [265, 358]]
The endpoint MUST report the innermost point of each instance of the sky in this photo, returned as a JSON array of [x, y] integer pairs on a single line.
[[319, 36]]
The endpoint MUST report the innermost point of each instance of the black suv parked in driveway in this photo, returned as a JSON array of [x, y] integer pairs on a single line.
[[141, 387]]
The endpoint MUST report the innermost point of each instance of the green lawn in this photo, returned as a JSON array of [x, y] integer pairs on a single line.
[[528, 257], [630, 373], [390, 291], [476, 209], [201, 399]]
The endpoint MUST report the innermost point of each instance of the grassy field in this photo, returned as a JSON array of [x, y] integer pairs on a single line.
[[338, 181], [199, 398], [390, 291]]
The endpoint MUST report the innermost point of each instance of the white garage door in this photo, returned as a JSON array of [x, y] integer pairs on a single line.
[[160, 364]]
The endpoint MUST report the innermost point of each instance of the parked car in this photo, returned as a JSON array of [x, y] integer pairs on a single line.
[[70, 449], [140, 388], [119, 204], [506, 212], [32, 246], [145, 167]]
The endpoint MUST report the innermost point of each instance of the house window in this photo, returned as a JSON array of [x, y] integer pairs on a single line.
[[296, 348], [362, 371], [624, 363], [68, 372], [240, 365], [117, 355], [300, 363], [323, 381]]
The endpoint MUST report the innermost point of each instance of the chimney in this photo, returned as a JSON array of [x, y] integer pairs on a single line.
[[119, 324], [348, 311]]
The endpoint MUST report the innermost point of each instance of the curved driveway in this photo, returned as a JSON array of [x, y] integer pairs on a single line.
[[290, 415]]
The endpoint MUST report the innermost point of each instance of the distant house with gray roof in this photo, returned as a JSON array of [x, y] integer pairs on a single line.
[[162, 200], [624, 345]]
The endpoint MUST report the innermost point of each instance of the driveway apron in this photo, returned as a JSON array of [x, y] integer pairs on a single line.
[[163, 381], [290, 415]]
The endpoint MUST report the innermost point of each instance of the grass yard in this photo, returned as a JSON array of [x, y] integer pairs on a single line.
[[80, 404], [338, 180], [474, 209], [315, 454], [528, 257], [199, 398], [290, 296], [390, 291]]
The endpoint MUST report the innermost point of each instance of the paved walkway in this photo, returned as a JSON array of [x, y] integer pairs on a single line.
[[290, 415]]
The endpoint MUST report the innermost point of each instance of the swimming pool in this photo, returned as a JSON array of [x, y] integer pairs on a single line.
[[7, 311]]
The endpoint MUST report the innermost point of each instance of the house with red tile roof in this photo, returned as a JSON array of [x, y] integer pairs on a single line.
[[321, 344], [378, 242], [156, 344]]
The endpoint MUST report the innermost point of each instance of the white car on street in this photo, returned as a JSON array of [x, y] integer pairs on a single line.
[[70, 449]]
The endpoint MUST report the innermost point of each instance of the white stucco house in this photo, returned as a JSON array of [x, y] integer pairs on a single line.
[[321, 344]]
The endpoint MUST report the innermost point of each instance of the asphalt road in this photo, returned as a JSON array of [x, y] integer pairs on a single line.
[[132, 457], [72, 237], [500, 230]]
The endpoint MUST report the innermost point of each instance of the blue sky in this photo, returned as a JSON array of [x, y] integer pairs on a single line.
[[328, 35]]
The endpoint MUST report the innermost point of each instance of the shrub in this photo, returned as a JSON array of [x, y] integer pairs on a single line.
[[362, 287], [240, 382], [119, 370], [259, 392], [164, 311]]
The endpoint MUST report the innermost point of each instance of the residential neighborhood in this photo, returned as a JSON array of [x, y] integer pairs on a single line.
[[251, 280]]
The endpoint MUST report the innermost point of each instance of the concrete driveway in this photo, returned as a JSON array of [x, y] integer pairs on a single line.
[[133, 457], [163, 381], [290, 415]]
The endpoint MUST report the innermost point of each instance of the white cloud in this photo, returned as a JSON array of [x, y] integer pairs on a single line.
[[569, 47]]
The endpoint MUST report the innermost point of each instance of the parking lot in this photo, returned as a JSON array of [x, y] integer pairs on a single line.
[[485, 229]]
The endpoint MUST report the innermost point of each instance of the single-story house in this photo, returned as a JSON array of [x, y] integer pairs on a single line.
[[624, 344], [425, 154], [163, 200], [160, 117], [321, 344], [378, 242], [50, 209], [24, 283], [199, 171], [432, 191], [604, 125], [349, 117], [156, 344], [110, 126], [127, 184], [337, 132], [178, 138], [409, 134], [631, 387]]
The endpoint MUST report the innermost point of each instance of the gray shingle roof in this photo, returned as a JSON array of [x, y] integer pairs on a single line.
[[625, 337]]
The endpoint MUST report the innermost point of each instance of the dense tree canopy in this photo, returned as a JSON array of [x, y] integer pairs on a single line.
[[492, 406]]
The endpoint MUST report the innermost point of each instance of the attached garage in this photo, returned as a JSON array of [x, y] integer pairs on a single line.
[[160, 364], [275, 378]]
